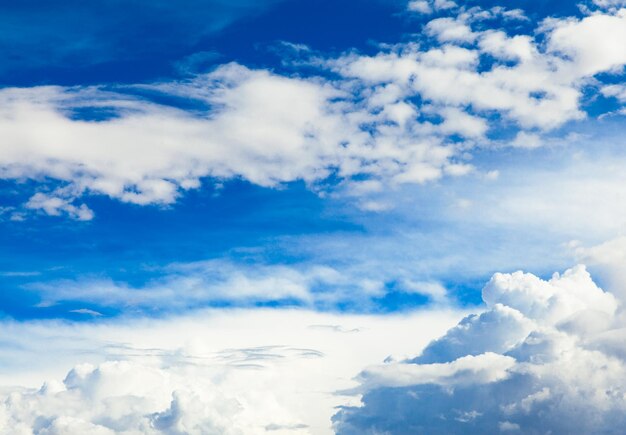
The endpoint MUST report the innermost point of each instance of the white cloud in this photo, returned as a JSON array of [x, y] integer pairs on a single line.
[[188, 285], [444, 4], [542, 89], [226, 372], [269, 129], [536, 361], [611, 5], [484, 368], [264, 128], [617, 91], [450, 30], [428, 6], [421, 6], [459, 122], [55, 206], [594, 44], [500, 45], [527, 140], [608, 260]]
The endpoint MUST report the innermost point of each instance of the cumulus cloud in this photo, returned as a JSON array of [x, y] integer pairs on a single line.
[[121, 396], [607, 259], [421, 6], [207, 372], [542, 89], [268, 128], [264, 128], [537, 360], [55, 206]]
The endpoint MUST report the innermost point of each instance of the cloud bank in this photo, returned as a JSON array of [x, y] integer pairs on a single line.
[[205, 372], [411, 113], [545, 357]]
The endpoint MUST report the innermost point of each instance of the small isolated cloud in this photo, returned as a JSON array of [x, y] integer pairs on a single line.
[[542, 358], [450, 30], [429, 6], [421, 6], [57, 206]]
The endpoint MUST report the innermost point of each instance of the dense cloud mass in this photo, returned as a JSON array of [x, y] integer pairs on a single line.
[[124, 397], [409, 114], [545, 357], [204, 372]]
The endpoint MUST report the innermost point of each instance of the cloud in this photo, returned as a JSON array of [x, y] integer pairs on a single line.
[[428, 6], [218, 371], [534, 361], [542, 89], [421, 6], [607, 260], [615, 91], [411, 113], [592, 44], [450, 30], [221, 281], [264, 128], [55, 206]]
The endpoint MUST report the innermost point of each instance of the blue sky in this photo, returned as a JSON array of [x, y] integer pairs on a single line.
[[356, 161]]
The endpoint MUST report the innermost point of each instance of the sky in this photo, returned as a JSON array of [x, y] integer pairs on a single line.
[[346, 216]]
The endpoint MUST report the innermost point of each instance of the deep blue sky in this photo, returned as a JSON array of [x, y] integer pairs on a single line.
[[77, 43]]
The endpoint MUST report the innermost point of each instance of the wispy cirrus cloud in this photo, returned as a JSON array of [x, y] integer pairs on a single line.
[[178, 287]]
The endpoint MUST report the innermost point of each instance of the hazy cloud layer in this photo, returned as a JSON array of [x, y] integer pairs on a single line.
[[183, 286]]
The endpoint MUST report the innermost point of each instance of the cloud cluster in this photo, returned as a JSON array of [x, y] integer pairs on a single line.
[[123, 397], [207, 372], [408, 114], [544, 357], [536, 85]]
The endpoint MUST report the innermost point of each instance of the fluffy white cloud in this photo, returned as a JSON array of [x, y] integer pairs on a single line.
[[55, 206], [269, 129], [208, 372], [264, 128], [608, 260], [541, 89], [538, 360], [450, 30], [618, 92], [421, 6], [428, 6], [592, 44]]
